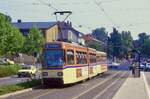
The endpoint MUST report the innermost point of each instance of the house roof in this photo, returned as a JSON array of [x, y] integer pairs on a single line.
[[29, 25]]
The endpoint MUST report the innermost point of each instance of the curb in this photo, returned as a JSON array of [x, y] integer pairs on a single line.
[[3, 78], [146, 84], [17, 92]]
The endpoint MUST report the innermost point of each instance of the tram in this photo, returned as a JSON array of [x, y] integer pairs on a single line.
[[66, 63]]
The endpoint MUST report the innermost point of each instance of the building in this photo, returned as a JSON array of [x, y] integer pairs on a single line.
[[90, 38], [52, 31], [91, 41]]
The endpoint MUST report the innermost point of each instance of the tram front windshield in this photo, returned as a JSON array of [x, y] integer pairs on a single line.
[[53, 58]]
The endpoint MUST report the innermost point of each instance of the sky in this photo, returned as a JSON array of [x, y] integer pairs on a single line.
[[125, 15]]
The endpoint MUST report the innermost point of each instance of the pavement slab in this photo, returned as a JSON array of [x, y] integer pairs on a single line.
[[133, 88]]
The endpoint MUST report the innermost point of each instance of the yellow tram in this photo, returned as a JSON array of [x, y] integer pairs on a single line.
[[66, 63]]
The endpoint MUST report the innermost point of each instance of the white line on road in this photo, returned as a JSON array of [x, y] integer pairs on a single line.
[[41, 95], [146, 85], [102, 92], [95, 86]]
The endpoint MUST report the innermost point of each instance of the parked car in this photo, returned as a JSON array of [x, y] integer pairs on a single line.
[[113, 65], [6, 61], [147, 67], [27, 71], [142, 66]]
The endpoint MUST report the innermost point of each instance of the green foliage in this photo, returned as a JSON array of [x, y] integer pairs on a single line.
[[17, 87], [11, 40], [142, 38], [100, 34], [115, 44], [146, 48], [127, 42], [119, 44], [143, 44], [95, 45], [7, 70], [33, 42]]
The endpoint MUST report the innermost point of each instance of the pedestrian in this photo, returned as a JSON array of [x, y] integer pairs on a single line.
[[133, 69]]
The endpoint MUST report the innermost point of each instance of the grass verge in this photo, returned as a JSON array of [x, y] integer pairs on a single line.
[[20, 86], [7, 70]]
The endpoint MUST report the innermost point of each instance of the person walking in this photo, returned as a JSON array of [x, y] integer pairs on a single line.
[[133, 69]]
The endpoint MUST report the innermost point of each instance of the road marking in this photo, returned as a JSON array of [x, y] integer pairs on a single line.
[[102, 92], [84, 84], [48, 92], [146, 84], [95, 86]]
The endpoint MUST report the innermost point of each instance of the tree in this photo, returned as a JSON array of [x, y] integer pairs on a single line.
[[100, 34], [11, 40], [141, 44], [33, 42], [95, 45], [127, 42], [146, 48], [115, 44], [142, 38]]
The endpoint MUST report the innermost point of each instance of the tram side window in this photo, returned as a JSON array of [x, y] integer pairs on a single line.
[[81, 58], [92, 58], [98, 58], [77, 57], [104, 58], [70, 57], [85, 58]]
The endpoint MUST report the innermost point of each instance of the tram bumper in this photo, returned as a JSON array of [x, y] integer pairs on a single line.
[[53, 81]]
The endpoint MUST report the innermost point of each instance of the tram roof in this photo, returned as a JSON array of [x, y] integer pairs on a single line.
[[100, 52]]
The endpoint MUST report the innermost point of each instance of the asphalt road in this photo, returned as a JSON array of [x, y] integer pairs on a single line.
[[100, 87], [15, 80], [12, 80]]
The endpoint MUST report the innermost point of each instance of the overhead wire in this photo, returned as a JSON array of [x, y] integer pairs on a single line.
[[105, 13], [48, 4]]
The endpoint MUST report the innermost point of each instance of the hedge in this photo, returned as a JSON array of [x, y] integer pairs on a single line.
[[7, 70], [12, 88]]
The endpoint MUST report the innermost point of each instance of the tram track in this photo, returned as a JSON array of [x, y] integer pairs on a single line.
[[99, 83], [101, 88], [40, 96], [109, 86]]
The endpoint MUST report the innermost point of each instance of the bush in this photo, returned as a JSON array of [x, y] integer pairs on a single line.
[[12, 88], [7, 70]]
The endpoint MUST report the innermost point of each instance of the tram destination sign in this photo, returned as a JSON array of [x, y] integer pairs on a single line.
[[49, 46]]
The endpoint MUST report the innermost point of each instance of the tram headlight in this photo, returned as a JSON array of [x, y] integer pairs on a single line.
[[59, 74], [45, 73]]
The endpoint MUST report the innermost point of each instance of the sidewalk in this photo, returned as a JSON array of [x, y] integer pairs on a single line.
[[133, 88]]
